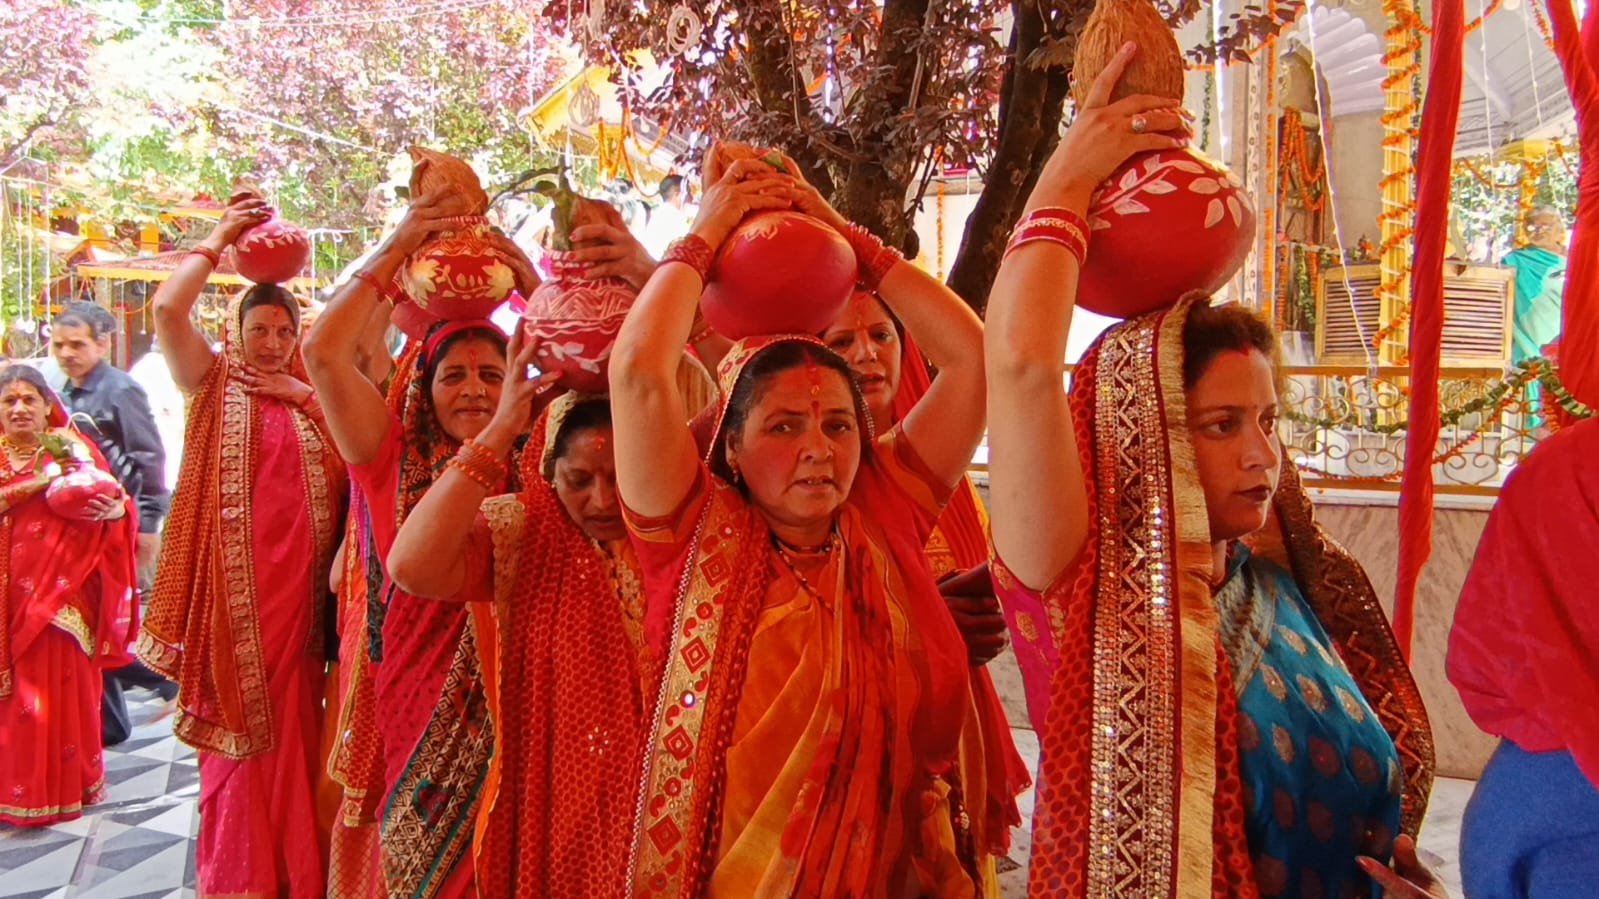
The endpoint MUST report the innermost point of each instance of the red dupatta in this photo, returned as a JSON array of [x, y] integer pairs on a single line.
[[565, 694], [1144, 798], [202, 627], [76, 575]]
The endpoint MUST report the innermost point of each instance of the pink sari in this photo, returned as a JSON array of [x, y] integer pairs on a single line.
[[236, 620], [264, 839]]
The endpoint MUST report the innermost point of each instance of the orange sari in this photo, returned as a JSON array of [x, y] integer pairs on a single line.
[[260, 491], [824, 770]]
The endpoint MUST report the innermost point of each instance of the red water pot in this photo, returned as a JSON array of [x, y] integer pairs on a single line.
[[1168, 223], [780, 272], [70, 494], [458, 273], [574, 321], [272, 252]]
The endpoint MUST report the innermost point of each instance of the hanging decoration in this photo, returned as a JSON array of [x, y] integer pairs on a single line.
[[584, 107], [1402, 56], [683, 30]]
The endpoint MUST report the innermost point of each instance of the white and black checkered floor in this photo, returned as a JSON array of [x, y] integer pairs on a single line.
[[138, 843]]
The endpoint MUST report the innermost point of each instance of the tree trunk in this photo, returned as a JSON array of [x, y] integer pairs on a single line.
[[1031, 103]]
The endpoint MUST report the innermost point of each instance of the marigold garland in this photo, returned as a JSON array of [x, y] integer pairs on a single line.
[[1402, 56], [1498, 398]]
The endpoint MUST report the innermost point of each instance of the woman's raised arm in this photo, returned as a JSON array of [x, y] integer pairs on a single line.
[[656, 460], [183, 345], [1036, 487], [334, 351]]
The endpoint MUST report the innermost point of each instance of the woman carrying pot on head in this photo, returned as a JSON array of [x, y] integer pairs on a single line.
[[814, 687], [66, 594], [1218, 724], [895, 384], [550, 566], [236, 617], [418, 744]]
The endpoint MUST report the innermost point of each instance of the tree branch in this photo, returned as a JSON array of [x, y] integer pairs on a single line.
[[1032, 101]]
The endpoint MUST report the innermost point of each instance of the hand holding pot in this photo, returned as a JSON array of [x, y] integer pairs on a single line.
[[239, 217], [426, 214], [612, 252], [521, 397], [1104, 135], [807, 199], [749, 185]]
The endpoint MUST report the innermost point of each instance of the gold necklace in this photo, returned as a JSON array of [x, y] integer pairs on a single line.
[[18, 456]]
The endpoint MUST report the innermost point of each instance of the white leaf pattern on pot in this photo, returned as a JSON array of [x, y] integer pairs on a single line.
[[1130, 207], [1160, 186], [1095, 223], [1184, 165], [1129, 180], [1214, 213], [1205, 186], [1152, 165], [1236, 210]]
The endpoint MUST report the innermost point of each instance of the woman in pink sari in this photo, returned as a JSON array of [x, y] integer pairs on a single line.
[[237, 618], [414, 662], [65, 612]]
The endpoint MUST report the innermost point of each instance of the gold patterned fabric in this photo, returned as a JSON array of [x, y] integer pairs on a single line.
[[1140, 793], [202, 624]]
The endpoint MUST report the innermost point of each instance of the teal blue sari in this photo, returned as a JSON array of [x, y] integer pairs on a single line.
[[1540, 281], [1322, 778]]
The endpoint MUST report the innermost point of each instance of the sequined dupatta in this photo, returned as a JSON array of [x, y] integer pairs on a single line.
[[202, 626], [565, 687], [1139, 787]]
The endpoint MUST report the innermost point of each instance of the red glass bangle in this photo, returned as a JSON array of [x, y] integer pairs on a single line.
[[480, 464], [693, 251], [371, 280], [874, 258], [213, 256], [1052, 225]]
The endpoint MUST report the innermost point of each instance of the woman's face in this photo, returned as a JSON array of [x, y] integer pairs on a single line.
[[25, 411], [800, 446], [1232, 419], [270, 337], [466, 386], [585, 482], [865, 336]]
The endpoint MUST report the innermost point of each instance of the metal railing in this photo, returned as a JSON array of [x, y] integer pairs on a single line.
[[1345, 426]]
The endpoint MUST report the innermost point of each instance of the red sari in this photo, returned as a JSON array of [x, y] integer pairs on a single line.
[[992, 772], [567, 682], [1140, 791], [416, 733], [66, 590], [237, 620]]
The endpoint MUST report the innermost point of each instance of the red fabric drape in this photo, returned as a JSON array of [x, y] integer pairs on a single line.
[[1579, 339], [1439, 119]]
